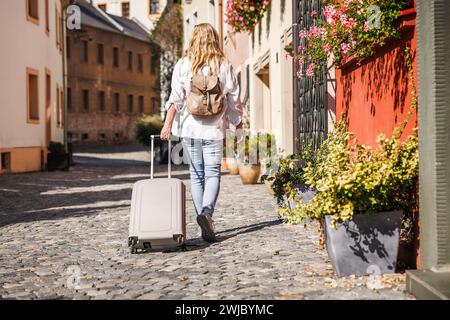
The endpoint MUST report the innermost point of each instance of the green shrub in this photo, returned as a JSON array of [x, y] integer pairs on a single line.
[[147, 126], [287, 176], [56, 148], [355, 179]]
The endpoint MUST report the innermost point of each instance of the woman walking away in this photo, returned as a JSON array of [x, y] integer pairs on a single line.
[[203, 103]]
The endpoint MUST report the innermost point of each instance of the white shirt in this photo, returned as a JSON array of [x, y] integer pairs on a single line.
[[214, 128]]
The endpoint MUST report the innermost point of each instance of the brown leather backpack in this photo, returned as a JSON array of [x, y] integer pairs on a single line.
[[205, 98]]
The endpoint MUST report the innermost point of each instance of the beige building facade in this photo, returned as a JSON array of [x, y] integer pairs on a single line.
[[146, 12], [31, 85], [271, 75], [202, 11]]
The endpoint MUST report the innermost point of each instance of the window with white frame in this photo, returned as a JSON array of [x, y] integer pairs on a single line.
[[212, 12]]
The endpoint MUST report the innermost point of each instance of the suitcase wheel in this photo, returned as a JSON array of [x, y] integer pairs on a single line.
[[179, 238], [132, 242]]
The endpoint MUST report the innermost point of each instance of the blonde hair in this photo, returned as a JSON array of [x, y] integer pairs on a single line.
[[204, 49]]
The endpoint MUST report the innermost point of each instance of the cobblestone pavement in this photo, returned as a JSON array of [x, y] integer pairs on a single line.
[[64, 235]]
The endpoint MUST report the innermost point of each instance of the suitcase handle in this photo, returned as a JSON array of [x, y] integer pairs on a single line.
[[169, 157]]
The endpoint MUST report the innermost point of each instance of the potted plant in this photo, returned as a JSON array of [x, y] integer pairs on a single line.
[[255, 149], [287, 175], [223, 164], [230, 150], [362, 195], [243, 15], [344, 31], [57, 158]]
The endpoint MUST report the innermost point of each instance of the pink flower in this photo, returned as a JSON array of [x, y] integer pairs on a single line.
[[327, 48], [330, 14], [303, 34], [351, 23], [310, 70], [345, 47], [314, 13], [315, 31], [252, 8]]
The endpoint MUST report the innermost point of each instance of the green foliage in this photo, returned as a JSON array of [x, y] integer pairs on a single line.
[[56, 148], [260, 146], [287, 176], [147, 126], [353, 178]]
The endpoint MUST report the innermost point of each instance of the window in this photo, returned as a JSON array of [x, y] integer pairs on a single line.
[[116, 103], [153, 6], [85, 51], [59, 106], [85, 100], [68, 47], [187, 30], [130, 103], [212, 12], [58, 29], [130, 61], [85, 136], [126, 9], [140, 63], [154, 59], [102, 137], [155, 105], [101, 101], [6, 162], [115, 57], [47, 18], [102, 7], [33, 95], [141, 104], [100, 53], [48, 106], [69, 99], [194, 18], [33, 11]]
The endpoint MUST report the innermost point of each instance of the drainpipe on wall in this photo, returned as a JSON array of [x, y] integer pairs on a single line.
[[64, 5], [221, 23], [64, 41]]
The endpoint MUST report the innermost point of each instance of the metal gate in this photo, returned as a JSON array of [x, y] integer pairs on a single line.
[[310, 95]]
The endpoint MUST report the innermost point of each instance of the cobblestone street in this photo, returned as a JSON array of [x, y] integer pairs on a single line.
[[64, 228]]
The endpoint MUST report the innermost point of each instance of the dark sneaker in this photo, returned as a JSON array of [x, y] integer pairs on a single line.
[[206, 224]]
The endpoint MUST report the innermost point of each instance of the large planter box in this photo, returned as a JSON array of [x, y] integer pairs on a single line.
[[304, 192], [364, 245], [58, 161]]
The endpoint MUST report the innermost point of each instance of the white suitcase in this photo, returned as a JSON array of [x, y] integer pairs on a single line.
[[158, 212]]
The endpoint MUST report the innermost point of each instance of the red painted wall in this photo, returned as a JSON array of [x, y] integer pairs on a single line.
[[377, 94]]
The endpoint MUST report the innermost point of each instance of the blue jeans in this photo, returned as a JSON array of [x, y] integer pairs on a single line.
[[204, 165]]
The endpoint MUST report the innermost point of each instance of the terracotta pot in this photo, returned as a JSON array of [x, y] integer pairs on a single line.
[[224, 165], [249, 173], [233, 166]]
